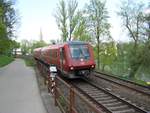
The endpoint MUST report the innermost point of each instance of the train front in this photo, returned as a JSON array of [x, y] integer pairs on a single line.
[[81, 58]]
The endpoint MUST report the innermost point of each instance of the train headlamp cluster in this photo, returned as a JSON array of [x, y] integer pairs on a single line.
[[71, 68], [92, 66]]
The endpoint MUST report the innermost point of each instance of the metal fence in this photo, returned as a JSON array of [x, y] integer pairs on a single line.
[[66, 97], [70, 100]]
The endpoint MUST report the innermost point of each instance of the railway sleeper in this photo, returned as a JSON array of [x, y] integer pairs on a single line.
[[99, 96], [94, 92], [104, 98], [113, 104], [87, 89], [125, 111], [97, 93], [119, 108], [108, 101]]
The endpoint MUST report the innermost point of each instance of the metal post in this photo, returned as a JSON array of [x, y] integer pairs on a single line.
[[71, 100], [55, 93]]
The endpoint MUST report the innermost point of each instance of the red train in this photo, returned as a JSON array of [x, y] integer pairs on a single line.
[[72, 59]]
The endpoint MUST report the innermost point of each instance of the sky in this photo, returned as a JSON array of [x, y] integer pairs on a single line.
[[38, 14]]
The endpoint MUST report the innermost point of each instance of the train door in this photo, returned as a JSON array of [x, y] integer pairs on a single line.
[[61, 59]]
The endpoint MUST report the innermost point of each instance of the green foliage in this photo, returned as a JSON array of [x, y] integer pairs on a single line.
[[8, 16], [29, 61], [4, 45], [131, 13], [73, 19], [25, 47], [145, 54], [97, 23], [28, 47], [61, 19], [81, 33], [37, 44], [4, 60], [8, 22], [71, 23], [108, 53]]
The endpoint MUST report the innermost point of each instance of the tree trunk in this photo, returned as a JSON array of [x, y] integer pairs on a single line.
[[98, 58]]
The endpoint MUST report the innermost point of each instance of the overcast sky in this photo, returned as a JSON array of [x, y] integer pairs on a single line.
[[38, 14]]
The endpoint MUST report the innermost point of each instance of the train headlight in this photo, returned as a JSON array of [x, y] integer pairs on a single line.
[[71, 68], [92, 66]]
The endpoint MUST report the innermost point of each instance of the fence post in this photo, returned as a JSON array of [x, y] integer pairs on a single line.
[[49, 82], [72, 102], [55, 92]]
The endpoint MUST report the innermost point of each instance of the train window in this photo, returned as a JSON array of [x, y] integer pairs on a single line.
[[85, 51], [79, 51]]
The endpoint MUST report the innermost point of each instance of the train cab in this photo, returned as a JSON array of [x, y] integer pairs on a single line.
[[76, 59]]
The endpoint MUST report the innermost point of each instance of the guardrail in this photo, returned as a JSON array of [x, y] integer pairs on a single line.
[[70, 100], [66, 97]]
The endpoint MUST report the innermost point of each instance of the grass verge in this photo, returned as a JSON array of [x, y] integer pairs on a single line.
[[29, 61], [4, 60], [140, 82]]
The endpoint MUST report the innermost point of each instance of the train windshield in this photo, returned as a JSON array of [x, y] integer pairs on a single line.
[[79, 51]]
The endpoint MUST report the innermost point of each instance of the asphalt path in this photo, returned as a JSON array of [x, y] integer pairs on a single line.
[[19, 91]]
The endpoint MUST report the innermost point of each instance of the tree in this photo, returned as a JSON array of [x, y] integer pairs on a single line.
[[147, 20], [37, 44], [67, 18], [8, 22], [97, 22], [25, 47], [61, 19], [132, 17], [81, 32], [8, 16], [107, 54], [3, 32], [72, 6], [4, 45]]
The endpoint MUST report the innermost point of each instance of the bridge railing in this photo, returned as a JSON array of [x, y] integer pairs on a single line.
[[66, 97], [70, 100]]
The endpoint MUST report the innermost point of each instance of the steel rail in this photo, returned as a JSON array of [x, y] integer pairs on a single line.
[[128, 81], [136, 108], [124, 84]]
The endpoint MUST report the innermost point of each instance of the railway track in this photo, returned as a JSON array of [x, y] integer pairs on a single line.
[[105, 99], [126, 83], [138, 94]]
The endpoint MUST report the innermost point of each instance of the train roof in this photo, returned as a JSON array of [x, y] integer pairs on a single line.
[[76, 42], [37, 49], [57, 46]]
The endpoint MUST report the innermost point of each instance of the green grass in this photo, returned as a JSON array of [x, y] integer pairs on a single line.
[[138, 81], [29, 61], [4, 60]]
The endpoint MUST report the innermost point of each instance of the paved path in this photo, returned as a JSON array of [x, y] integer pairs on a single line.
[[19, 91]]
